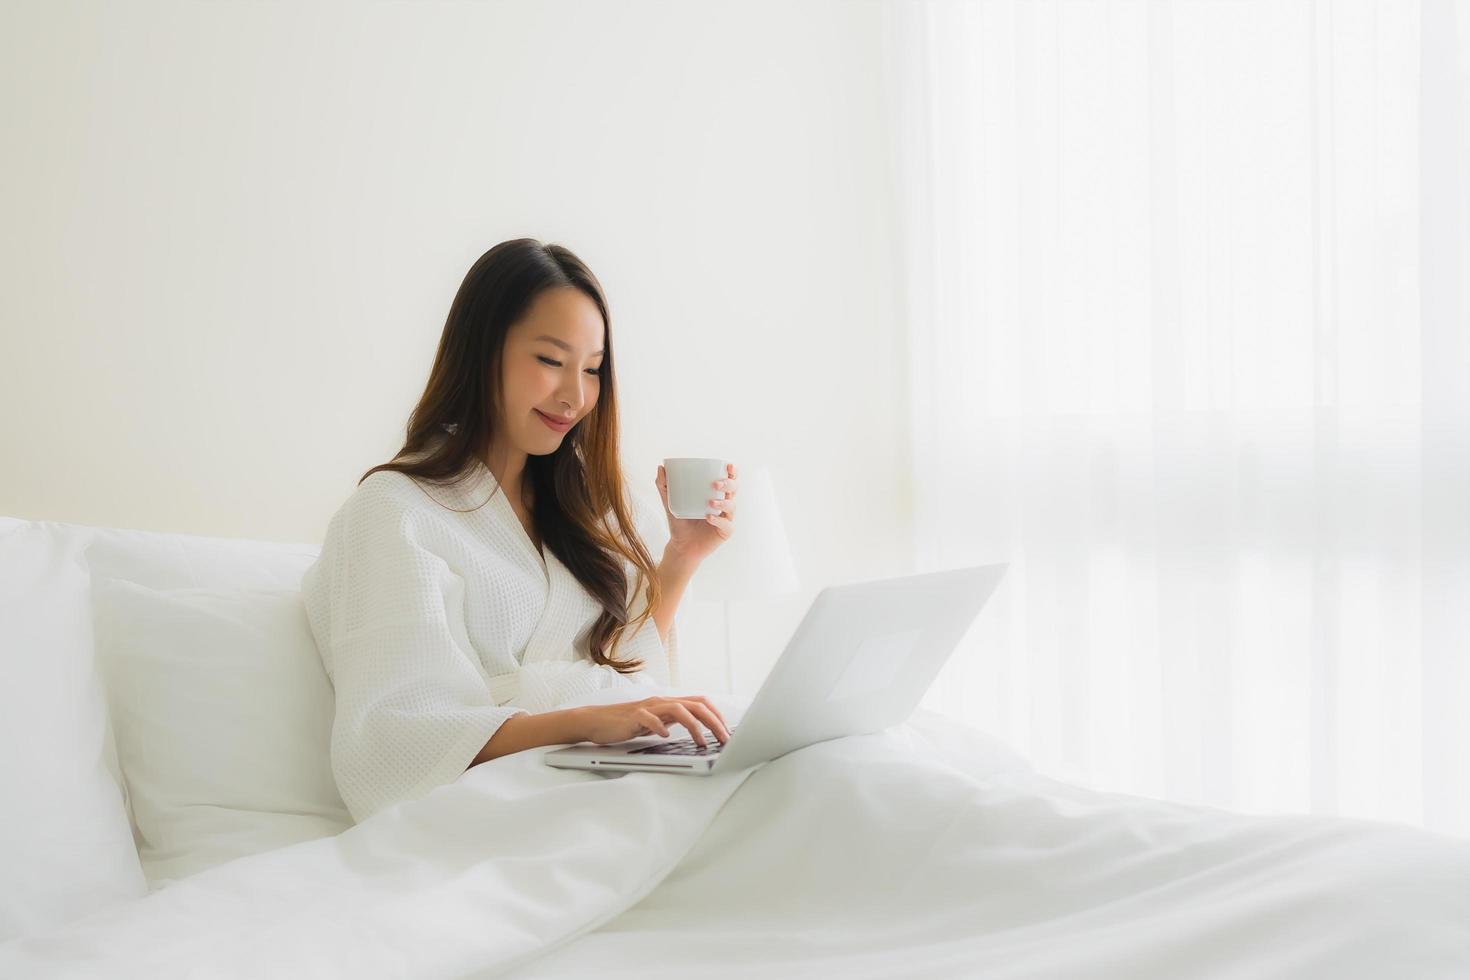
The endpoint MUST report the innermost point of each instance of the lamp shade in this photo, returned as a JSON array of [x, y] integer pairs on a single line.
[[756, 562]]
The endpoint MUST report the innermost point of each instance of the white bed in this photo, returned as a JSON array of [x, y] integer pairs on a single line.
[[929, 849]]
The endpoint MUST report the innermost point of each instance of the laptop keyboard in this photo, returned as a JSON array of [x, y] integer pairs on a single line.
[[683, 746]]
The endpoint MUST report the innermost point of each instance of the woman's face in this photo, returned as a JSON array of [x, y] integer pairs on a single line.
[[550, 367]]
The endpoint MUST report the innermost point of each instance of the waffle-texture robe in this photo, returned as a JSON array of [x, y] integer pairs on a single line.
[[435, 627]]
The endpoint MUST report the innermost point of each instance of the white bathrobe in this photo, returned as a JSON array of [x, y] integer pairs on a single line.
[[435, 627]]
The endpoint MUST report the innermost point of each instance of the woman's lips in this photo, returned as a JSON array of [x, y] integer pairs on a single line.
[[551, 423]]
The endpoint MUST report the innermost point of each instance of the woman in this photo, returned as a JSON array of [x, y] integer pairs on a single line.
[[493, 566]]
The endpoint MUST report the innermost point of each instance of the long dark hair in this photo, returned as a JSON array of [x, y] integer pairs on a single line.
[[579, 505]]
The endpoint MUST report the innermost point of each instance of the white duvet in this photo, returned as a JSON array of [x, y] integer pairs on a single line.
[[929, 849]]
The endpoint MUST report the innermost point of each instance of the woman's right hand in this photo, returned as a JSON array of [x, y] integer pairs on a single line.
[[608, 723]]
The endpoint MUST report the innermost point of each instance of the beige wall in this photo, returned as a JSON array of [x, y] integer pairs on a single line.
[[232, 232]]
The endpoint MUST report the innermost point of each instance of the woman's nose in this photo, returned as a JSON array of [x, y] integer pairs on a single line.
[[573, 399]]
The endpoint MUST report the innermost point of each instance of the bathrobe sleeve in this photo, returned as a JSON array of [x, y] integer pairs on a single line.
[[413, 707]]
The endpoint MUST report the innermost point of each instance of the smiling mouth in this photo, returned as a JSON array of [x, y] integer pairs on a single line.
[[557, 424]]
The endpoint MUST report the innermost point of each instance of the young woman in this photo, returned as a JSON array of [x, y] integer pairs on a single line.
[[495, 563]]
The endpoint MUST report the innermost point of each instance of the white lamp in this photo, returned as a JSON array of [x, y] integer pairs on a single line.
[[756, 562]]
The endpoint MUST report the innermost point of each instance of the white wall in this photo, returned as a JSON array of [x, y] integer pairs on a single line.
[[232, 231]]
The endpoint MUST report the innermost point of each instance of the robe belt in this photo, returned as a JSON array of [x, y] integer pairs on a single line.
[[504, 687]]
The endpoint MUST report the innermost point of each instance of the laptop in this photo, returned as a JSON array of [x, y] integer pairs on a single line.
[[860, 661]]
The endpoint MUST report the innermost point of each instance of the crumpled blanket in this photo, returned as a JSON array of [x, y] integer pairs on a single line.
[[929, 849]]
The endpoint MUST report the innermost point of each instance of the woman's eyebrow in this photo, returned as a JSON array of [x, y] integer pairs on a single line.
[[563, 344]]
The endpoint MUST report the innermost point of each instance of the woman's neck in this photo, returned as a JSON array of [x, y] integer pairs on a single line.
[[509, 470]]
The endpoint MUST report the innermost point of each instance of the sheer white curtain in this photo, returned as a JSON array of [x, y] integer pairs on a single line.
[[1188, 301]]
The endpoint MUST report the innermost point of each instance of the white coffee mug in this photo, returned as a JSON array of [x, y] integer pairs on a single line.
[[690, 481]]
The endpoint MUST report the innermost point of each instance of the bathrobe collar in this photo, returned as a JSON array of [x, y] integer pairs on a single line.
[[562, 590]]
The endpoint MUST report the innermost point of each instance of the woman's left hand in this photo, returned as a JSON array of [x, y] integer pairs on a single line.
[[696, 537]]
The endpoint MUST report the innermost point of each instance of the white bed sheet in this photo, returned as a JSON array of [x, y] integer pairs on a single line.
[[996, 871], [929, 849]]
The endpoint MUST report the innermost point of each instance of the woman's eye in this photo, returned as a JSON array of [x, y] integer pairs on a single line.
[[595, 372]]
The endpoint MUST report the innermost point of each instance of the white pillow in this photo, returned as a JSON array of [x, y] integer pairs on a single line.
[[66, 848], [222, 715], [171, 560]]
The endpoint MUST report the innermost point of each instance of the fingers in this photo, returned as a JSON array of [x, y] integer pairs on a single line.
[[724, 501], [711, 721], [718, 713], [686, 709], [708, 704], [686, 718], [653, 723]]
